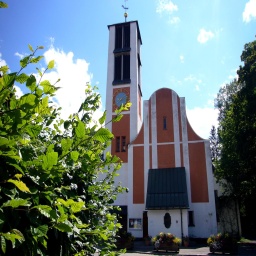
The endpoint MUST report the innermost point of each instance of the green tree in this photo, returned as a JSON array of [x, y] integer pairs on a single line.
[[214, 144], [237, 133], [56, 188]]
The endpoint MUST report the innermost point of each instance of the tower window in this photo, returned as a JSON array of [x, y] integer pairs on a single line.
[[119, 32], [165, 123], [120, 144], [122, 68], [122, 39], [122, 54]]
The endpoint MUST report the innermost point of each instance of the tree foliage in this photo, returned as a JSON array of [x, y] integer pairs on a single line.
[[237, 130], [214, 144], [56, 188]]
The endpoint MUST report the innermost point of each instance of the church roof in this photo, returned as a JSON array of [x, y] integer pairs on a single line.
[[167, 189]]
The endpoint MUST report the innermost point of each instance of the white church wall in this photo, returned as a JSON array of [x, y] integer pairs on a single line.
[[122, 199], [135, 214], [156, 222], [204, 220]]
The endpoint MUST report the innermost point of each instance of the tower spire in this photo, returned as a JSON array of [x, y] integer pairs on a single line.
[[125, 9]]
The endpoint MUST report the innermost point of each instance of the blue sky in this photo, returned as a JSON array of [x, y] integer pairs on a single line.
[[192, 47]]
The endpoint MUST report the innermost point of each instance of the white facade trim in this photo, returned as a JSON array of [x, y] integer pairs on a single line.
[[176, 129], [154, 131]]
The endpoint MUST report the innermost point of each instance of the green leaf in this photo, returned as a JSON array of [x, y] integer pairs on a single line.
[[39, 72], [103, 236], [20, 185], [2, 218], [67, 124], [4, 69], [77, 206], [47, 87], [36, 59], [49, 160], [19, 234], [80, 130], [66, 144], [3, 5], [30, 48], [22, 78], [11, 154], [11, 193], [39, 231], [17, 167], [50, 64], [39, 92], [34, 130], [62, 201], [74, 155], [24, 62], [31, 83], [3, 141], [9, 79], [103, 118], [103, 135], [117, 118], [63, 227], [18, 176], [3, 243], [3, 96], [15, 203], [27, 100], [44, 210], [82, 225]]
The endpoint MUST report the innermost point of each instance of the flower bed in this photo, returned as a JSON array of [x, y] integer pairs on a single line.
[[222, 242], [167, 242]]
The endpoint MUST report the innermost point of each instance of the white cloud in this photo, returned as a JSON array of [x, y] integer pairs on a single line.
[[166, 6], [20, 55], [204, 36], [2, 62], [74, 75], [18, 91], [174, 20], [202, 120], [182, 58], [249, 11], [193, 81]]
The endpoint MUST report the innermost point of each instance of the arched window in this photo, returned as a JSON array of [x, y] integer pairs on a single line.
[[167, 220]]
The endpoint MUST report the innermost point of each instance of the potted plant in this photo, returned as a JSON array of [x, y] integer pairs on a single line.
[[186, 241], [166, 241], [222, 242], [125, 240], [147, 240]]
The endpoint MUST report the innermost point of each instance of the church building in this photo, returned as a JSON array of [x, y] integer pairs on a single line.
[[166, 165]]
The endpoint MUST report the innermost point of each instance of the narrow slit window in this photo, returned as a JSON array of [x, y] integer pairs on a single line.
[[165, 123], [117, 144], [123, 144]]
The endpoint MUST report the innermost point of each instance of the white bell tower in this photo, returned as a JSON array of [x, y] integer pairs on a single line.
[[124, 84]]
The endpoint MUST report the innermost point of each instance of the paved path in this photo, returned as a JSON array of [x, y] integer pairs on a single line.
[[140, 249]]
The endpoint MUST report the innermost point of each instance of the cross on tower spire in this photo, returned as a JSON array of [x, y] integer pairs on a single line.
[[125, 9]]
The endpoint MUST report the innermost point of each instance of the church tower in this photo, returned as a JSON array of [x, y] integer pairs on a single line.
[[124, 84]]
